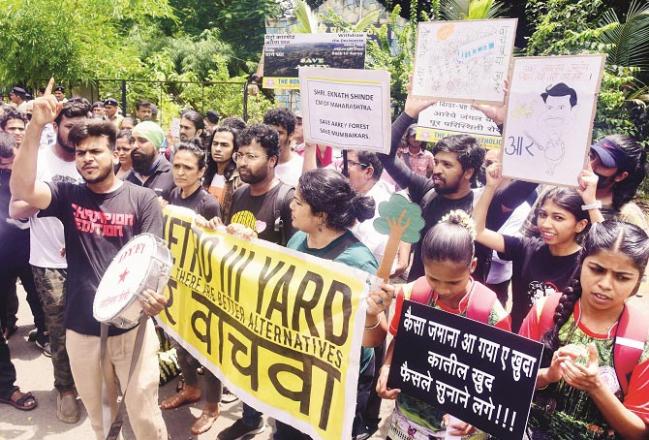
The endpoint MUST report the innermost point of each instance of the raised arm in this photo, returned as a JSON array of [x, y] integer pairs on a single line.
[[20, 210], [23, 182], [587, 190], [310, 161], [484, 236], [399, 171]]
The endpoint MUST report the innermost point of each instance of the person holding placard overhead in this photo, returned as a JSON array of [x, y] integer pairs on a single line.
[[544, 265], [458, 159], [448, 251], [594, 383]]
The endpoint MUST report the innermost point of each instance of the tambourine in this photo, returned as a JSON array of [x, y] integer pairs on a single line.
[[143, 263]]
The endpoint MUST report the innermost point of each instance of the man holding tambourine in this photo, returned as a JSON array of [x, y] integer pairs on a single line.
[[99, 216]]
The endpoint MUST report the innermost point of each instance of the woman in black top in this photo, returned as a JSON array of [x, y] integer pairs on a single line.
[[188, 170], [546, 264]]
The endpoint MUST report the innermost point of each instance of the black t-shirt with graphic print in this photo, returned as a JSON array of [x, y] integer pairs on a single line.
[[536, 273], [96, 226], [258, 212]]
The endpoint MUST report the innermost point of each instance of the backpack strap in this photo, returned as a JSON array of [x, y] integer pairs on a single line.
[[420, 291], [278, 204], [630, 339], [480, 310], [480, 306], [546, 318]]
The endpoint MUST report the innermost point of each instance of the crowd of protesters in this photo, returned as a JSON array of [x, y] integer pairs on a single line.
[[559, 265]]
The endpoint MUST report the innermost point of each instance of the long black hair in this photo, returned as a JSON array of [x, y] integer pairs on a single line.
[[610, 235], [625, 190], [327, 191], [231, 166], [565, 198]]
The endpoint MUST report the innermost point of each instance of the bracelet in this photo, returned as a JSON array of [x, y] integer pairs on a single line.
[[595, 205], [372, 327]]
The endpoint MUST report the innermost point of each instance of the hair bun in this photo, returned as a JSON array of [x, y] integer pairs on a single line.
[[461, 218]]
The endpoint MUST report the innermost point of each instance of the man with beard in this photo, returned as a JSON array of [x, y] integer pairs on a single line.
[[48, 252], [263, 206], [150, 169], [88, 211], [458, 159]]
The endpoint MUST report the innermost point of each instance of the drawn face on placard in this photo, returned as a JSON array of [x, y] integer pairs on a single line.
[[559, 103]]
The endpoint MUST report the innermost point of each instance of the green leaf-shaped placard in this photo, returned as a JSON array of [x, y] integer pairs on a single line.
[[399, 215]]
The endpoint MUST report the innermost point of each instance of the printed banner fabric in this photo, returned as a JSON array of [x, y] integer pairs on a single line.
[[281, 329]]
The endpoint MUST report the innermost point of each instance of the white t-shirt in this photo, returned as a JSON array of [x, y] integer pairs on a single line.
[[290, 172], [364, 231], [218, 181], [47, 244], [48, 137]]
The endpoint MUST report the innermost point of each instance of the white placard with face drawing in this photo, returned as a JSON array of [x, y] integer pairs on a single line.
[[550, 115]]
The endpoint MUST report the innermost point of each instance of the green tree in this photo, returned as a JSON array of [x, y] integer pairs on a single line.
[[69, 39], [241, 25]]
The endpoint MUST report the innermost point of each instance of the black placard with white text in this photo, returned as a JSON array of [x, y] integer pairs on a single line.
[[480, 374]]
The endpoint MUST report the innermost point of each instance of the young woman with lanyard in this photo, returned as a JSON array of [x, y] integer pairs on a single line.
[[323, 208], [188, 169], [541, 265], [596, 385]]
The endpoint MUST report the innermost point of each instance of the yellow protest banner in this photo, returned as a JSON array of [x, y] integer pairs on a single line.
[[281, 329]]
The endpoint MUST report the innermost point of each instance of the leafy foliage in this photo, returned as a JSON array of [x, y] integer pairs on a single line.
[[565, 27], [397, 58], [69, 39], [471, 9]]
